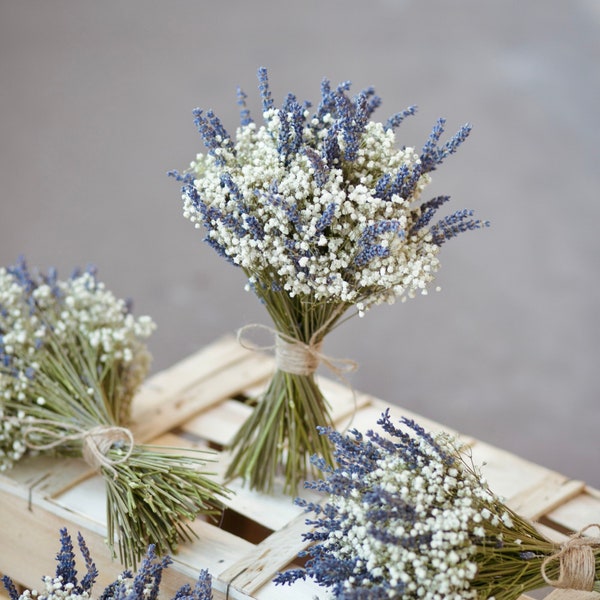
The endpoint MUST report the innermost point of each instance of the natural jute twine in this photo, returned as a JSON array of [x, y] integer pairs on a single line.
[[294, 356], [300, 358], [577, 562], [96, 442]]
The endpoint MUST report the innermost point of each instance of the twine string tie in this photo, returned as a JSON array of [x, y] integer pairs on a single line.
[[295, 356], [577, 562], [96, 442]]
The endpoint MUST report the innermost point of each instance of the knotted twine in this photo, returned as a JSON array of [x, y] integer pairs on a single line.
[[577, 562], [300, 358], [295, 356], [96, 442]]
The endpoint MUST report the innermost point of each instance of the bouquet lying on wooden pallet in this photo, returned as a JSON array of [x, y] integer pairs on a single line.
[[144, 585], [322, 211], [71, 359], [409, 516]]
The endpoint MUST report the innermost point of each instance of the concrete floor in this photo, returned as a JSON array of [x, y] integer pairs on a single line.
[[95, 108]]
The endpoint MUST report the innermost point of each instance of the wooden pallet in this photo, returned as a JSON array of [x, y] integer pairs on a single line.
[[196, 403]]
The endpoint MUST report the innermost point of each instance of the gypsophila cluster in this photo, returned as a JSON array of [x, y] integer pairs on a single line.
[[144, 585], [322, 204], [405, 518], [38, 309]]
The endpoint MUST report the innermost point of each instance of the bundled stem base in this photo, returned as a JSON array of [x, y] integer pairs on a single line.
[[281, 434], [152, 498]]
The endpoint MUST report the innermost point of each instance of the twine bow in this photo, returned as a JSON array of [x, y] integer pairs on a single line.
[[96, 442], [577, 562]]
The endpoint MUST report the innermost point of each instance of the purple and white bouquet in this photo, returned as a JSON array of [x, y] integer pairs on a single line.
[[408, 515], [322, 211], [72, 357], [143, 585]]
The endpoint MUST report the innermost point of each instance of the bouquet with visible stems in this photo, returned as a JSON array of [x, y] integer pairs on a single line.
[[144, 585], [321, 210], [71, 359], [408, 515]]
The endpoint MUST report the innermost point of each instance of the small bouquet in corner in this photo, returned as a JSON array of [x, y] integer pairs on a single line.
[[322, 211], [144, 585], [409, 516], [71, 359]]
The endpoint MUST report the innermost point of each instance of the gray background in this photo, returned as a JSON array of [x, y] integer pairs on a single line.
[[95, 107]]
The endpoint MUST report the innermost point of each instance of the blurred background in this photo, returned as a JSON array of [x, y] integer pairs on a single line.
[[95, 108]]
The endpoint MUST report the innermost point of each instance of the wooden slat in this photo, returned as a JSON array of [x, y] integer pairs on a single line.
[[219, 423], [578, 512], [32, 536], [44, 475], [179, 378], [540, 499], [366, 418], [270, 556], [508, 475], [162, 409]]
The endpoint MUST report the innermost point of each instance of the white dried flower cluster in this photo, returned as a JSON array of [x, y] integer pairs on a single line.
[[12, 447], [55, 589], [314, 236], [35, 311]]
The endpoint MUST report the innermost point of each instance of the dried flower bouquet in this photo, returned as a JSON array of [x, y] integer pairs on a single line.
[[408, 515], [321, 210], [71, 359]]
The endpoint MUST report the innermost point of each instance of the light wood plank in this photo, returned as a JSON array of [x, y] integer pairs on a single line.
[[551, 492], [220, 423], [578, 512], [33, 537], [269, 557], [174, 409], [507, 474]]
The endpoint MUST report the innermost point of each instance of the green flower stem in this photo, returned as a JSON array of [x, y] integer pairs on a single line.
[[282, 432], [153, 497]]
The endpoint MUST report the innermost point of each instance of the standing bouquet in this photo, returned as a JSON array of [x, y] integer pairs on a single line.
[[409, 516], [321, 212], [72, 357]]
